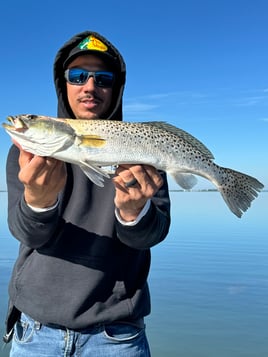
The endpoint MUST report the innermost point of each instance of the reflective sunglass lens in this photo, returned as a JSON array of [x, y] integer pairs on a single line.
[[79, 77], [103, 79]]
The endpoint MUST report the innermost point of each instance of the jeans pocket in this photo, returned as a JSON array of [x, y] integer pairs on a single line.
[[23, 330], [122, 332]]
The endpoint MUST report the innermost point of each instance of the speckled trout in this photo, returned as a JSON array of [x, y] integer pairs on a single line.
[[95, 145]]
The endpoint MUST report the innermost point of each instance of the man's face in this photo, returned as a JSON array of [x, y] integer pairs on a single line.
[[88, 101]]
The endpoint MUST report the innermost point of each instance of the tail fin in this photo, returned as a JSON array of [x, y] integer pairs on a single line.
[[238, 190]]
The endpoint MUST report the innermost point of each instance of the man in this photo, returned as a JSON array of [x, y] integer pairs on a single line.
[[79, 286]]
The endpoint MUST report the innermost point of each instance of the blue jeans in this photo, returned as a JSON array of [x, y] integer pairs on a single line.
[[32, 339]]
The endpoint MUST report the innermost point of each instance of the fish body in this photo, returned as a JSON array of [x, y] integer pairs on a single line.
[[95, 145]]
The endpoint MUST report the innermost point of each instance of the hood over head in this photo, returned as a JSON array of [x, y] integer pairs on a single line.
[[89, 42]]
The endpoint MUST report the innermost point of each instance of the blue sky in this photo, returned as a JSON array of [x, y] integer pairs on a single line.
[[200, 65]]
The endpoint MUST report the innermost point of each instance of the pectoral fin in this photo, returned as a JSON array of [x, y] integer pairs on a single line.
[[94, 141], [94, 173]]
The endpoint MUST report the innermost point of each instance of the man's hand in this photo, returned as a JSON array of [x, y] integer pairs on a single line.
[[43, 178], [130, 200]]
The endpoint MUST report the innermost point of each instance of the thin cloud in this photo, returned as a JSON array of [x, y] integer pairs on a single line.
[[155, 100], [158, 96], [138, 108], [253, 97], [179, 95], [252, 101], [152, 104]]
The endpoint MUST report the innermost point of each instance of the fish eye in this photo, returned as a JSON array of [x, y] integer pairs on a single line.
[[31, 116]]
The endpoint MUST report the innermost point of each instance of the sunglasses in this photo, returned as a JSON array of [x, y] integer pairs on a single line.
[[79, 77]]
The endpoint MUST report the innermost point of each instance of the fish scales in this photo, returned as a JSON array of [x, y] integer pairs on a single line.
[[136, 137], [96, 144]]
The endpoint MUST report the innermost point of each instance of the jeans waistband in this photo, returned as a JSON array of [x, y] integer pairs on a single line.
[[137, 323]]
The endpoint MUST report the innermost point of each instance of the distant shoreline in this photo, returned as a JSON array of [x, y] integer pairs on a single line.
[[181, 190], [202, 190]]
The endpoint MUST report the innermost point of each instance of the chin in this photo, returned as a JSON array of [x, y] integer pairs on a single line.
[[87, 116]]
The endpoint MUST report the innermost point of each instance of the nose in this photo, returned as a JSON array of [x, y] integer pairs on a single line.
[[90, 84]]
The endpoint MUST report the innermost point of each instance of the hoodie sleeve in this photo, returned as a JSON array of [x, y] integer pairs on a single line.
[[153, 227], [23, 222]]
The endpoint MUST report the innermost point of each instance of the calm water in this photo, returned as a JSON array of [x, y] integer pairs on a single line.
[[209, 279]]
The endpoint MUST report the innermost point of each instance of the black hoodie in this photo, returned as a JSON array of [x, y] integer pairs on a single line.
[[77, 265]]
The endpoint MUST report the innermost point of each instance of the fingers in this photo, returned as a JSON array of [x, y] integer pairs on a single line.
[[140, 177], [43, 178], [131, 183], [150, 177], [34, 167], [126, 178], [135, 184]]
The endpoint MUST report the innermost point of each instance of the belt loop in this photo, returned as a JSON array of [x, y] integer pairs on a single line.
[[37, 325], [8, 336]]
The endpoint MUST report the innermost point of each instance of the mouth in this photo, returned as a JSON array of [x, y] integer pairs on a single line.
[[89, 99], [15, 124]]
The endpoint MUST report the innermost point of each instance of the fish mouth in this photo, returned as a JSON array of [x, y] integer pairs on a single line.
[[15, 124]]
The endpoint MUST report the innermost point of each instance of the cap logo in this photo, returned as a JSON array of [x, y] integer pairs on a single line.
[[92, 43]]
